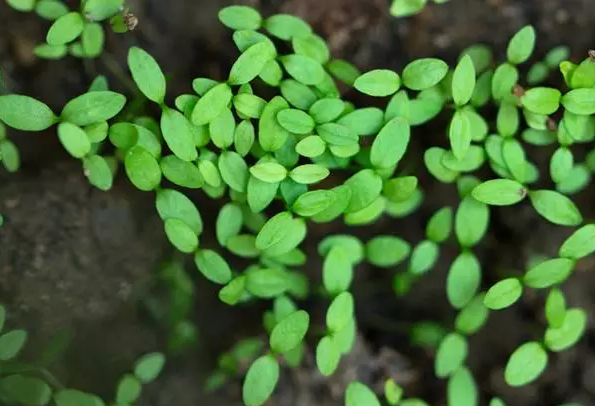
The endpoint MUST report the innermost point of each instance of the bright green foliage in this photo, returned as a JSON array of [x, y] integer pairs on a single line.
[[451, 355], [503, 294], [25, 113], [526, 364], [261, 380], [279, 150]]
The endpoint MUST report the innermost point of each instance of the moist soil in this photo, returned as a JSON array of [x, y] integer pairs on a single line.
[[79, 263]]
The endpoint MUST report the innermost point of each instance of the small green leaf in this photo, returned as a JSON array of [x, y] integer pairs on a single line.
[[12, 343], [503, 294], [240, 18], [271, 135], [181, 235], [424, 257], [521, 45], [340, 312], [92, 40], [74, 140], [440, 225], [71, 397], [213, 266], [222, 129], [94, 107], [561, 164], [249, 105], [261, 380], [337, 270], [181, 173], [344, 71], [387, 251], [400, 189], [392, 392], [463, 281], [471, 221], [287, 27], [311, 146], [584, 75], [260, 193], [473, 316], [309, 173], [98, 171], [481, 55], [424, 73], [364, 121], [129, 389], [433, 158], [462, 389], [459, 134], [25, 113], [499, 192], [327, 356], [211, 104], [508, 119], [295, 121], [147, 74], [289, 332], [142, 169], [473, 160], [173, 204], [549, 273], [569, 333], [556, 55], [22, 5], [365, 186], [312, 46], [405, 8], [270, 172], [177, 134], [65, 29], [463, 81], [505, 77], [267, 283], [234, 171], [46, 51], [25, 390], [580, 101], [243, 137], [580, 244], [542, 100], [451, 355], [358, 394], [514, 158], [555, 207], [378, 83], [99, 10], [525, 364], [555, 308], [251, 62], [311, 203], [303, 69], [390, 144], [342, 198], [148, 367]]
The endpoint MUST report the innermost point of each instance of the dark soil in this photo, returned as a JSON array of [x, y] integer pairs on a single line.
[[78, 262]]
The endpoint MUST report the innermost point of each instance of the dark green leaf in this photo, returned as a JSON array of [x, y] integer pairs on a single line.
[[11, 344], [129, 389], [25, 390], [344, 71], [440, 225]]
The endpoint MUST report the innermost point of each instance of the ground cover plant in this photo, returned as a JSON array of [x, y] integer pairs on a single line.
[[283, 152]]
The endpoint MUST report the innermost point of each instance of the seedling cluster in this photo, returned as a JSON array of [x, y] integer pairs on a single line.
[[278, 144]]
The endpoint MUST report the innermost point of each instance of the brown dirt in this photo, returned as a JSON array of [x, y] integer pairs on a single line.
[[73, 259]]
